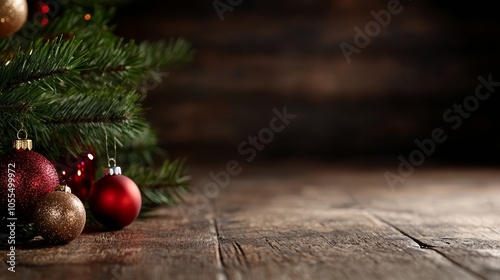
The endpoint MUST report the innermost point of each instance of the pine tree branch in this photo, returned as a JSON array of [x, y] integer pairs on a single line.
[[143, 150], [39, 62], [35, 77], [99, 72], [91, 120], [16, 108], [72, 91], [160, 186]]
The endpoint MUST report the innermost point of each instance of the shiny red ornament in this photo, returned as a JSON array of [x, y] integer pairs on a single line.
[[115, 201], [78, 173], [26, 177]]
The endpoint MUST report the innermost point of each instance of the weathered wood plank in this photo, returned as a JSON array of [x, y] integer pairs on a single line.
[[286, 229], [456, 213], [297, 221], [164, 246]]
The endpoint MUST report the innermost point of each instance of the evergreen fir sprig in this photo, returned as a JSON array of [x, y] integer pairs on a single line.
[[142, 151], [171, 173], [82, 120], [162, 185], [93, 106], [42, 61], [155, 54], [78, 82]]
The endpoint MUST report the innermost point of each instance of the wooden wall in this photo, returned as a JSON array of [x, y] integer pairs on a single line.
[[268, 54]]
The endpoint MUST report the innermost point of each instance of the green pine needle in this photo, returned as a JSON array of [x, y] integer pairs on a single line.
[[77, 82]]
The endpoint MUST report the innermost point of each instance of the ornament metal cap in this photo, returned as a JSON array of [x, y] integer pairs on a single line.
[[22, 143], [112, 170], [63, 188]]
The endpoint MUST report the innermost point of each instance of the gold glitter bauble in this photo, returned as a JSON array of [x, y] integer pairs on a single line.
[[60, 217], [13, 15]]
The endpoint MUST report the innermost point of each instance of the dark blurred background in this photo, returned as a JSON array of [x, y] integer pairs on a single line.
[[268, 54]]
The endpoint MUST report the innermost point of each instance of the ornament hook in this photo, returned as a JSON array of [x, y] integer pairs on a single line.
[[111, 170], [20, 131], [110, 159]]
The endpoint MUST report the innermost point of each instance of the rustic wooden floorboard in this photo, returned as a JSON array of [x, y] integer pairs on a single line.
[[297, 222], [456, 215], [316, 232], [163, 246]]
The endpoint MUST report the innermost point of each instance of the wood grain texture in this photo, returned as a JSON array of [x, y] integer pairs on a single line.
[[297, 221], [159, 247], [454, 215]]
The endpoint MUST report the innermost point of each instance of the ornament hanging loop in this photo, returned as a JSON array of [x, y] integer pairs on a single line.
[[20, 132], [111, 160], [112, 169]]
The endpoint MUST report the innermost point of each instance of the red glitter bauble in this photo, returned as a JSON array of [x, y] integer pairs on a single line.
[[115, 201], [29, 176]]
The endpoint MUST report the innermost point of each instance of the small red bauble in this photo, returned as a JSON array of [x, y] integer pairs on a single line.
[[25, 178], [115, 201], [78, 173]]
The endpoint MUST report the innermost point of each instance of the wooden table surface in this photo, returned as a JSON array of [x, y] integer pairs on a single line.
[[297, 221]]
